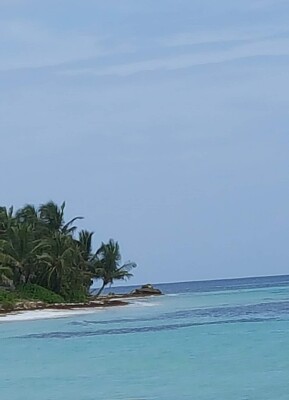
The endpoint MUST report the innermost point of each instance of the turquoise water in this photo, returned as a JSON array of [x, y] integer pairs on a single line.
[[202, 341]]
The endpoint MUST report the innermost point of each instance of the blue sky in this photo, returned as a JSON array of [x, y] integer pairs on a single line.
[[164, 124]]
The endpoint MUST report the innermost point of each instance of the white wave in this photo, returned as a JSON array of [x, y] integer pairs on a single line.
[[54, 313], [143, 304], [45, 314]]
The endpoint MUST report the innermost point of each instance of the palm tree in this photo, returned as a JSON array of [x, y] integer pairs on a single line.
[[53, 218], [107, 265], [18, 252], [85, 244], [37, 246], [7, 219], [28, 214], [63, 267]]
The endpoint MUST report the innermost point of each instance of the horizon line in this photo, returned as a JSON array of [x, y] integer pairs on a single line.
[[209, 280]]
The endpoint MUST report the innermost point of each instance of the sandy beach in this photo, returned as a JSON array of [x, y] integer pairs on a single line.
[[44, 314]]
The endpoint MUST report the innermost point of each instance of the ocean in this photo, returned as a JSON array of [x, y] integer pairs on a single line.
[[226, 340]]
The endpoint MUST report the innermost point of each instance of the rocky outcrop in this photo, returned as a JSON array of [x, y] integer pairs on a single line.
[[146, 290]]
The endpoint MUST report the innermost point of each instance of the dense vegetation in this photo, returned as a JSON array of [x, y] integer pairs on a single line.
[[44, 257]]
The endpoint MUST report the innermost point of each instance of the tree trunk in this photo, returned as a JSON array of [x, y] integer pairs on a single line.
[[101, 289]]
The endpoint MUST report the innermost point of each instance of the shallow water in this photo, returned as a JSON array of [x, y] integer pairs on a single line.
[[205, 341]]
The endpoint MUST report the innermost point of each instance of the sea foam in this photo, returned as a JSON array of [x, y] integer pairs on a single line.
[[44, 314]]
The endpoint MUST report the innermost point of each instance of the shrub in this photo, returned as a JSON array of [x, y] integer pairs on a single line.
[[7, 305], [35, 292], [74, 295], [7, 300], [6, 296]]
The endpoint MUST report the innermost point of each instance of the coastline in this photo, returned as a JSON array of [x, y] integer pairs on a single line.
[[57, 309], [30, 310], [34, 315]]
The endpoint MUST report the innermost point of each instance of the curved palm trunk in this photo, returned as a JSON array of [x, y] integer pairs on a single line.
[[20, 277], [101, 289]]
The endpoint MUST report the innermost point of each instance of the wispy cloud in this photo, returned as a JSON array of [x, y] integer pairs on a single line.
[[221, 36], [28, 45], [278, 47]]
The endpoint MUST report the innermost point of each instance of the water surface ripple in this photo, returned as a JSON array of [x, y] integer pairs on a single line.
[[204, 340]]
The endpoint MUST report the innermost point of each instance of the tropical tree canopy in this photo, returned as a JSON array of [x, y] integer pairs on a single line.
[[108, 266], [37, 246]]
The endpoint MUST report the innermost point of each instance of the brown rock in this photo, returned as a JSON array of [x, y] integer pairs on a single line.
[[146, 290]]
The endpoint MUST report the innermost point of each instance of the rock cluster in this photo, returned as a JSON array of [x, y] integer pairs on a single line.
[[146, 290]]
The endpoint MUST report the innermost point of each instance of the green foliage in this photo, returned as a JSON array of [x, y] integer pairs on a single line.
[[7, 305], [107, 265], [42, 259], [72, 294], [6, 276], [38, 293], [7, 300], [6, 296]]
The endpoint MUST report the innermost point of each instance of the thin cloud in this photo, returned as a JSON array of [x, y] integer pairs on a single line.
[[33, 46], [278, 47], [219, 36]]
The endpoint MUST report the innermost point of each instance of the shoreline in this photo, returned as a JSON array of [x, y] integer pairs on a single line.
[[37, 306], [93, 302], [44, 314], [57, 310]]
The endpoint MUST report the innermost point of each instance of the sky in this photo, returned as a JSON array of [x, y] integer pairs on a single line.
[[163, 123]]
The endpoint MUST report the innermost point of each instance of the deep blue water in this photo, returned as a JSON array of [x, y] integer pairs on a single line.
[[213, 285], [226, 339]]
